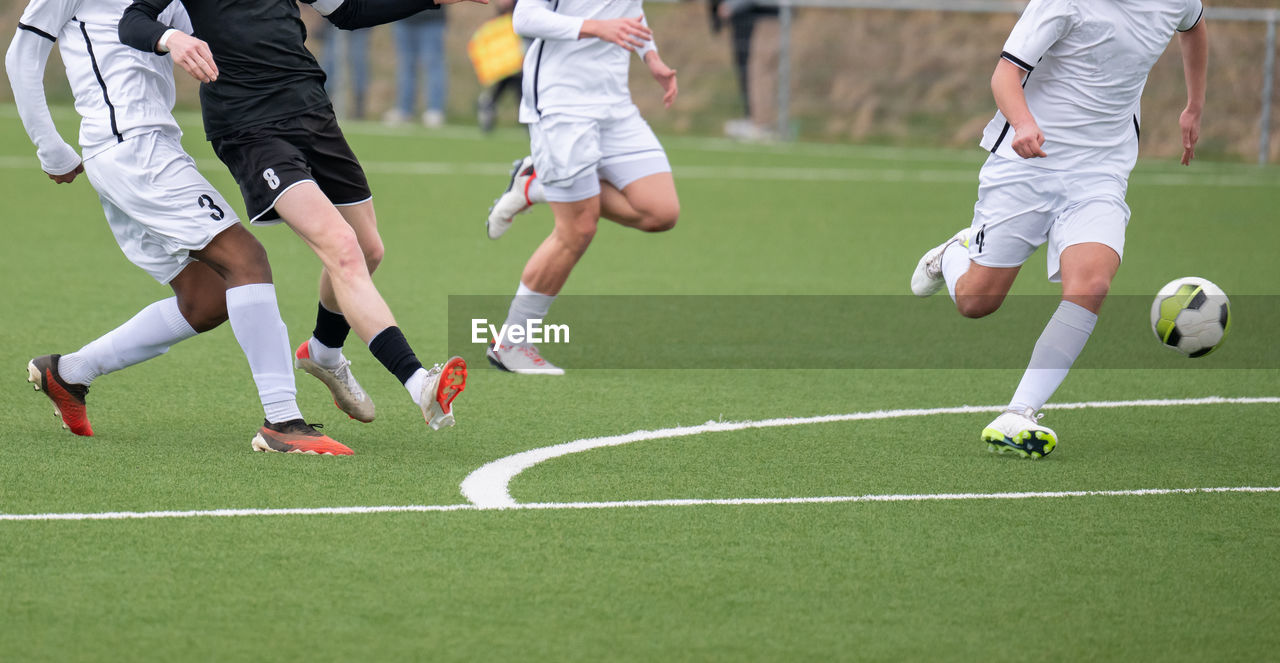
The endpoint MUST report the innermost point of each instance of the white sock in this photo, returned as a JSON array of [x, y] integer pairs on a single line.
[[414, 385], [324, 355], [146, 335], [534, 193], [255, 319], [527, 305], [955, 263], [1061, 342]]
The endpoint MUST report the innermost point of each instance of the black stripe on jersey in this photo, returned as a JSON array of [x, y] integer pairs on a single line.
[[537, 69], [35, 30], [1137, 130], [537, 66], [103, 84], [1197, 22], [1016, 61], [1003, 132]]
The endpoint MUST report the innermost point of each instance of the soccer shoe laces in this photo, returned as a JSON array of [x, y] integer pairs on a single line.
[[532, 353], [343, 373], [1026, 412]]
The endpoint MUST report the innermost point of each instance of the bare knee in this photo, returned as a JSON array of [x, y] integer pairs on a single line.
[[1095, 287], [978, 306], [203, 313], [373, 255], [660, 220], [343, 257], [576, 237]]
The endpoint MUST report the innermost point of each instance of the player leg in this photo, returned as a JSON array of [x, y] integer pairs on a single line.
[[239, 264], [648, 204], [310, 214], [567, 153], [150, 177], [978, 265], [321, 355], [66, 379], [292, 174], [1085, 247], [638, 190], [544, 275]]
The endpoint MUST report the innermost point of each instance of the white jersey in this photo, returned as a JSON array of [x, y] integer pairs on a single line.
[[1087, 62], [564, 74], [119, 92]]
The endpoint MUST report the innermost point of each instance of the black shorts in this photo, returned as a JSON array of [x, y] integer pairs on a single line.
[[269, 159]]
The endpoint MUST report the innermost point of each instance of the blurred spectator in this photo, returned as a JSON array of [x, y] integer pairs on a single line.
[[497, 54], [420, 46], [742, 17], [351, 47]]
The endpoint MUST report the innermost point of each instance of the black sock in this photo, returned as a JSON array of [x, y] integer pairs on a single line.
[[331, 328], [391, 348]]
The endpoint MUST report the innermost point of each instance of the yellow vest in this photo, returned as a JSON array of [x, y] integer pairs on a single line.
[[496, 51]]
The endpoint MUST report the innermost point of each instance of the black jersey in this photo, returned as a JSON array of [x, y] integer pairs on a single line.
[[265, 72]]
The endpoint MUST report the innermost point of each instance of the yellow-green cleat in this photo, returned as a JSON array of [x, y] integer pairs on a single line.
[[1018, 431]]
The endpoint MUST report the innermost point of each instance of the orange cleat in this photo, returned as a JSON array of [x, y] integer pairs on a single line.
[[68, 399], [444, 383], [297, 437]]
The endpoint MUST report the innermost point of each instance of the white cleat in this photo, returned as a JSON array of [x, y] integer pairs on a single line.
[[927, 279], [1021, 433], [513, 201], [522, 359], [348, 395], [443, 384]]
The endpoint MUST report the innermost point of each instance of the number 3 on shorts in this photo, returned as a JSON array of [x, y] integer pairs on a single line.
[[270, 176]]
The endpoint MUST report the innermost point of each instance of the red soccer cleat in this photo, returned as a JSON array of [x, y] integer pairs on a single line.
[[297, 437], [68, 399]]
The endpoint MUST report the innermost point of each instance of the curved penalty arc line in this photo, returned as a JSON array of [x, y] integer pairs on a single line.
[[489, 486]]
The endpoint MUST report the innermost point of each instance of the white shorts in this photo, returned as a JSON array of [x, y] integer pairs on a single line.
[[572, 154], [159, 206], [1021, 207]]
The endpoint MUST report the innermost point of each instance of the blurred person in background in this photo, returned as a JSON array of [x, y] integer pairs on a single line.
[[420, 48], [497, 53], [592, 155], [742, 17], [349, 48]]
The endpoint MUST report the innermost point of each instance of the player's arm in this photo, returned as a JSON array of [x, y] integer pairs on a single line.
[[140, 28], [1006, 86], [1195, 64], [25, 62], [1042, 24], [534, 19], [666, 76], [356, 14]]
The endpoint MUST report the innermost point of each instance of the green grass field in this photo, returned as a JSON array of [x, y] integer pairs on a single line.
[[647, 550]]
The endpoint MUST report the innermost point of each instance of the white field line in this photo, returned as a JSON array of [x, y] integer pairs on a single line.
[[966, 176], [488, 486], [562, 506]]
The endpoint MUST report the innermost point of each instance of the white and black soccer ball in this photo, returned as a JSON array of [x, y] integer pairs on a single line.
[[1191, 315]]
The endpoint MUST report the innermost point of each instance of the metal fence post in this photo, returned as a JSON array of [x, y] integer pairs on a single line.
[[784, 69], [1268, 77]]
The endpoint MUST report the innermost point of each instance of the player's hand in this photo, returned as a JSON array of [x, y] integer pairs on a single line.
[[666, 77], [1027, 140], [193, 56], [67, 178], [629, 33], [1190, 123], [450, 2]]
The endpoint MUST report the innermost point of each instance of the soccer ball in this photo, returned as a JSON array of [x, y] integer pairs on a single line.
[[1191, 315]]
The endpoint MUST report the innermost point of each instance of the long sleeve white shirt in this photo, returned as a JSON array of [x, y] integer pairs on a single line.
[[565, 74], [118, 91]]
